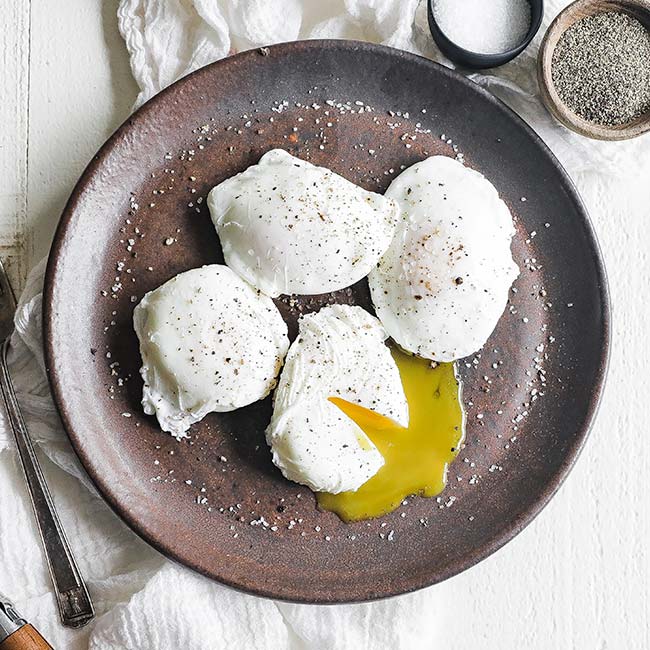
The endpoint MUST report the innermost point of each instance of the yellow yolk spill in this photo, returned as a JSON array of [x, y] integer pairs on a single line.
[[416, 457]]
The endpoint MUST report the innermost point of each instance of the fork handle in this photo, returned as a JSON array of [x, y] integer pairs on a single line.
[[73, 600]]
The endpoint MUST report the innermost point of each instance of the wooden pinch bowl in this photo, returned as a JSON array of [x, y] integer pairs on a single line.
[[639, 9]]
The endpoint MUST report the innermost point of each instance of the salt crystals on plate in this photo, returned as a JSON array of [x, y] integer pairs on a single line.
[[484, 26]]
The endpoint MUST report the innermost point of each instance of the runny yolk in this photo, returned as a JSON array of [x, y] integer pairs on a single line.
[[416, 457]]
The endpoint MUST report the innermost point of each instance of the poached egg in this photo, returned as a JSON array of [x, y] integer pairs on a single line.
[[339, 353], [442, 285], [289, 227], [209, 342]]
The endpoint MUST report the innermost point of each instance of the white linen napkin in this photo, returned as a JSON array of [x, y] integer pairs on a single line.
[[143, 601]]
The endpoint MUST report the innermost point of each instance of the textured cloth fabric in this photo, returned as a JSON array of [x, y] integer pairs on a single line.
[[143, 601]]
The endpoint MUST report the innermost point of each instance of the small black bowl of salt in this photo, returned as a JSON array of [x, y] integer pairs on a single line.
[[482, 34]]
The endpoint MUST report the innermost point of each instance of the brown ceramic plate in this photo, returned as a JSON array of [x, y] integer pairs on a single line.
[[216, 503]]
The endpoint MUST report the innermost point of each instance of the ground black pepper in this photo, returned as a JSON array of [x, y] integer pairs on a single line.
[[601, 68]]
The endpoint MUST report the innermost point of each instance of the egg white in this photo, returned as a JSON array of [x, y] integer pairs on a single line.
[[340, 351], [289, 227], [442, 285], [209, 342]]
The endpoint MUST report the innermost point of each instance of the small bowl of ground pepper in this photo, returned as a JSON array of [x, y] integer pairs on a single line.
[[594, 68]]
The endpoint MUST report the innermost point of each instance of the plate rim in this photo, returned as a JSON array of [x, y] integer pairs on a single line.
[[427, 578]]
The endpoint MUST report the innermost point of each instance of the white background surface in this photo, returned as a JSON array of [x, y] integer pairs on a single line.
[[578, 576]]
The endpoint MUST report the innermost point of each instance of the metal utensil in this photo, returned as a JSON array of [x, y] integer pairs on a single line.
[[75, 606], [16, 633]]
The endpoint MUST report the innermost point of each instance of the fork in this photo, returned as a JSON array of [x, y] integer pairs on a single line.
[[73, 600]]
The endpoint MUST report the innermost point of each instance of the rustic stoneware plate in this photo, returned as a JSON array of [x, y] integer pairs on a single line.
[[216, 503]]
